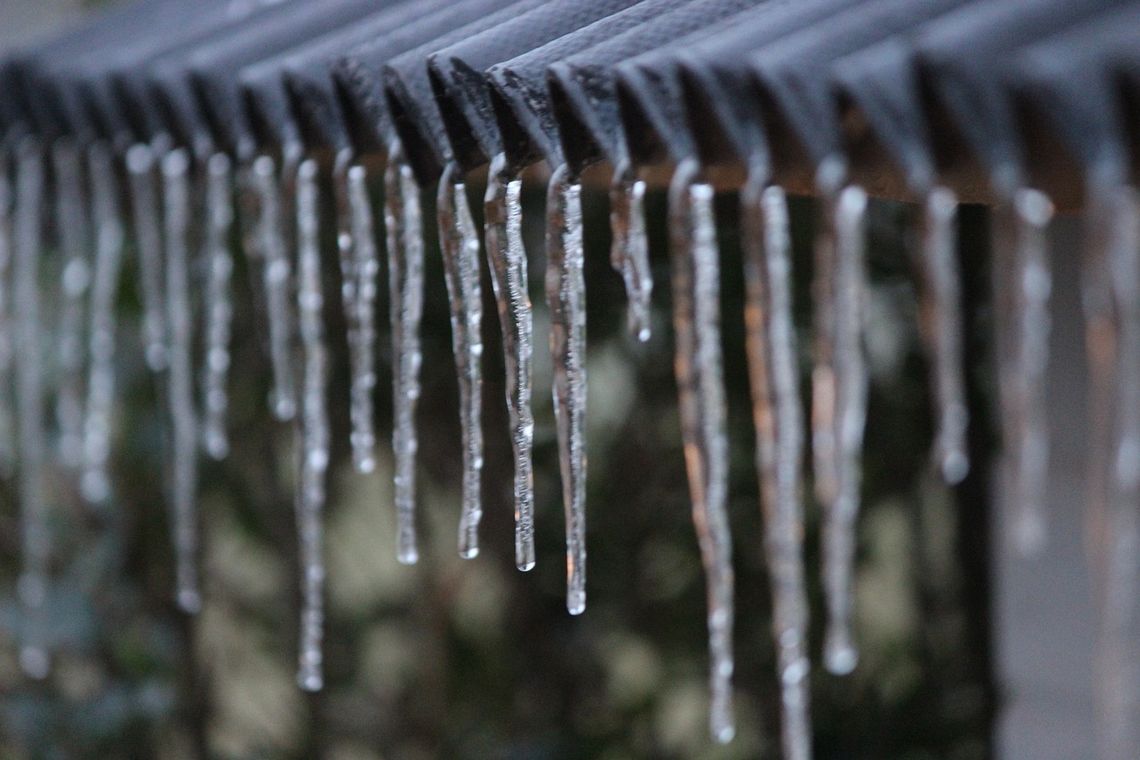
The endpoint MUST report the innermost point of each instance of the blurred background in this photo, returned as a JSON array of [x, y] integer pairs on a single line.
[[472, 659]]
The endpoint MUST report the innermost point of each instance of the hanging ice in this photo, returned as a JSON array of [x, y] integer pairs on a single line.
[[566, 297], [776, 410], [366, 266], [700, 384], [33, 583], [7, 430], [314, 426], [1022, 283], [839, 407], [459, 244], [507, 259], [99, 412], [941, 327], [183, 482], [404, 225], [1112, 305], [72, 232], [629, 251], [277, 273], [219, 306], [351, 214], [148, 241]]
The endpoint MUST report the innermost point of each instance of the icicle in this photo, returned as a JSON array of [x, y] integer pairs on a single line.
[[108, 224], [700, 383], [276, 276], [459, 243], [566, 297], [404, 225], [219, 306], [72, 232], [7, 430], [773, 371], [148, 241], [314, 426], [366, 264], [1022, 283], [1112, 298], [839, 407], [33, 583], [180, 386], [941, 326], [507, 259], [346, 257], [629, 251]]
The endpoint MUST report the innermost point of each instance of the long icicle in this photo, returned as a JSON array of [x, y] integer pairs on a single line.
[[776, 409], [362, 443], [277, 275], [33, 584], [219, 303], [7, 318], [367, 271], [1022, 284], [73, 235], [314, 427], [1102, 350], [506, 257], [109, 238], [180, 385], [566, 298], [941, 329], [700, 384], [459, 244], [403, 221], [840, 404], [148, 240], [629, 249], [1113, 258]]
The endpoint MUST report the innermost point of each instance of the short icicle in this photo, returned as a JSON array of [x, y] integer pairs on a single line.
[[507, 259], [99, 412], [773, 369], [403, 221], [30, 399], [629, 250], [366, 265], [73, 236], [1022, 284], [566, 298], [148, 240], [1113, 253], [276, 275], [941, 327], [180, 386], [839, 407], [7, 318], [313, 427], [700, 383], [459, 244], [219, 303]]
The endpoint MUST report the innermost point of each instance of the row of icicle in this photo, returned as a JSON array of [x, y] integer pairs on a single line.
[[280, 221]]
